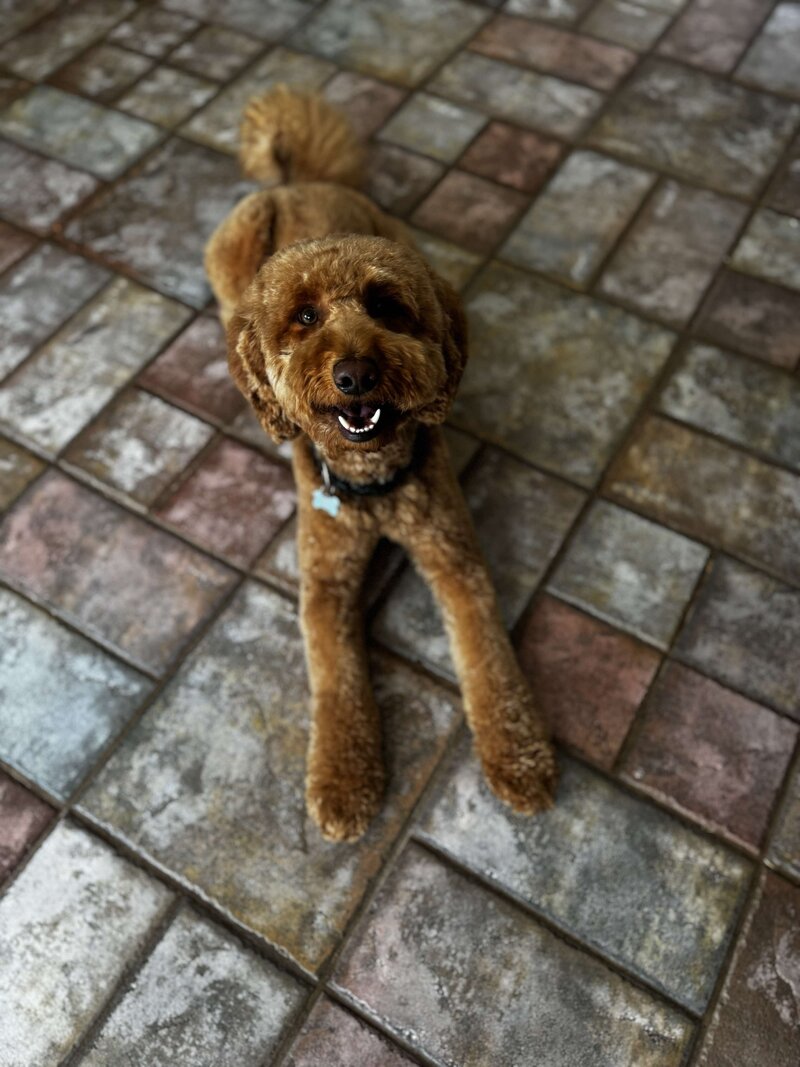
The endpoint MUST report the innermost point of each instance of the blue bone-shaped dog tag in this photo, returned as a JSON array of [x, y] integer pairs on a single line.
[[322, 500]]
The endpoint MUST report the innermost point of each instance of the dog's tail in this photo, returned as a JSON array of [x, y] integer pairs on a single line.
[[290, 136]]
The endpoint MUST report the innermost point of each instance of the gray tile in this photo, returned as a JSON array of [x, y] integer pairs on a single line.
[[784, 848], [626, 23], [201, 1000], [333, 1037], [433, 126], [668, 917], [36, 192], [69, 925], [17, 17], [167, 96], [153, 31], [61, 698], [435, 949], [770, 248], [566, 11], [773, 61], [17, 469], [215, 52], [268, 19]]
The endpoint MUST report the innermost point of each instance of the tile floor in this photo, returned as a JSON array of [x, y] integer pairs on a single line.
[[615, 187]]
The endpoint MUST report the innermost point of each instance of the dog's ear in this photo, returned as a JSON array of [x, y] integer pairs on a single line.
[[246, 363], [454, 349]]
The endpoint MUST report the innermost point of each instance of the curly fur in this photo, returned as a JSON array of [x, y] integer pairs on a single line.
[[317, 243]]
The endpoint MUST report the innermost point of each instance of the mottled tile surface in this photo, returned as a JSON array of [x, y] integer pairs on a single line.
[[744, 629], [712, 753], [398, 179], [77, 131], [365, 101], [588, 678], [68, 381], [785, 193], [773, 62], [738, 399], [201, 1000], [700, 126], [433, 126], [103, 72], [770, 248], [554, 376], [451, 261], [668, 258], [14, 244], [570, 244], [167, 96], [103, 909], [154, 224], [334, 1037], [211, 780], [507, 154], [784, 848], [215, 52], [36, 192], [671, 916], [626, 23], [268, 19], [434, 946], [630, 572], [153, 31], [711, 491], [17, 469], [23, 817], [757, 1019], [714, 33], [469, 210], [566, 11], [111, 573]]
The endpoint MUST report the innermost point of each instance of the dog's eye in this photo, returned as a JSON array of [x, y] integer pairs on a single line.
[[388, 310], [307, 316]]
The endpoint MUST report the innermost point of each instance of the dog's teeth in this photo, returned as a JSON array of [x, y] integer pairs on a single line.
[[375, 417]]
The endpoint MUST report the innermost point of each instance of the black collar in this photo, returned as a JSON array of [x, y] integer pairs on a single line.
[[339, 487]]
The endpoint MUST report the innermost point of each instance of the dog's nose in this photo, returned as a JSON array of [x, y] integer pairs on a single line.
[[356, 376]]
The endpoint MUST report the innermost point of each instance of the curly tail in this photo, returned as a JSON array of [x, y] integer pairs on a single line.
[[290, 136]]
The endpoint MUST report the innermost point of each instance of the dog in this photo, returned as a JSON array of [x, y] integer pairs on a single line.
[[342, 338]]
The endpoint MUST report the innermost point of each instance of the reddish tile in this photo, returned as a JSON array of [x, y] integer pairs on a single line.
[[366, 102], [470, 211], [397, 179], [22, 818], [589, 678], [193, 372], [112, 574], [753, 316], [13, 245], [333, 1037], [711, 753], [512, 156], [581, 59], [233, 503], [714, 33], [757, 1018]]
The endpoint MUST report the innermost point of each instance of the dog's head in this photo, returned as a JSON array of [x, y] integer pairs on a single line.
[[345, 339]]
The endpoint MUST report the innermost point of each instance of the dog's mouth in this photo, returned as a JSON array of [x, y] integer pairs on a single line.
[[363, 422]]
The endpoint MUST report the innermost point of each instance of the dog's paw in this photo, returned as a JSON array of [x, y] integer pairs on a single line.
[[524, 777], [343, 808]]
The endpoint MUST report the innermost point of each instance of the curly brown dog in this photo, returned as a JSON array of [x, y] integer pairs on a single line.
[[341, 336]]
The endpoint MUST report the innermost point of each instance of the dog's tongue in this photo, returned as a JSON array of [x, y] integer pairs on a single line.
[[360, 411]]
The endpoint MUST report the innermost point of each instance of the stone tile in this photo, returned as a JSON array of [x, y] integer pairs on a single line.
[[770, 248], [714, 33], [702, 127], [574, 223], [589, 678], [77, 131], [518, 552], [54, 41], [366, 102], [334, 1037], [507, 154], [279, 564], [669, 257], [669, 919], [139, 445], [569, 55], [14, 244], [112, 574], [61, 698], [433, 126], [756, 1018], [23, 817], [453, 263], [37, 192], [523, 96], [434, 946], [773, 61], [470, 211], [744, 628], [55, 394], [738, 399], [248, 429], [711, 753], [785, 193], [630, 572], [403, 44], [554, 376], [38, 295], [201, 999], [153, 31], [193, 372], [397, 179], [217, 124], [566, 11], [10, 88], [233, 503], [270, 19], [51, 987], [784, 849], [218, 798], [215, 52], [103, 72], [167, 96], [154, 224], [17, 17], [626, 23], [17, 469], [754, 316], [713, 492]]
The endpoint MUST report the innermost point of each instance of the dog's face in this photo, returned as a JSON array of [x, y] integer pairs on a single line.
[[345, 339]]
